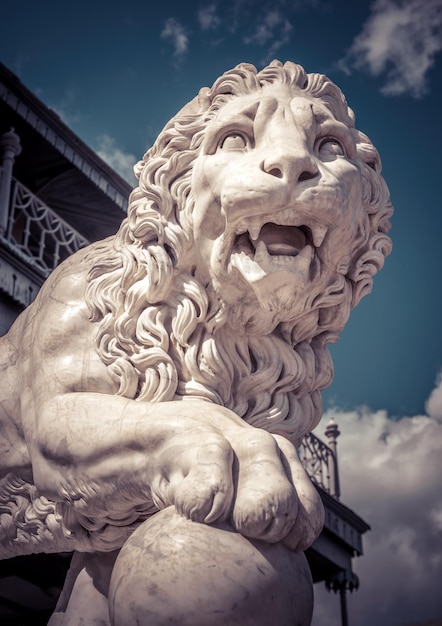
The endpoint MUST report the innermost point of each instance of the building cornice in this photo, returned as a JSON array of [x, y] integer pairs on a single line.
[[49, 125]]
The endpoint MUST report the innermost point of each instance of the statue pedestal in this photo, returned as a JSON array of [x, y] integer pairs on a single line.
[[174, 571]]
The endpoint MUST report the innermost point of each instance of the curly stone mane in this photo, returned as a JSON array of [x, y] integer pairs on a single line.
[[165, 336]]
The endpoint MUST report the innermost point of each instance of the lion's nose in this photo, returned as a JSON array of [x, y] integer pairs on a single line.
[[292, 165]]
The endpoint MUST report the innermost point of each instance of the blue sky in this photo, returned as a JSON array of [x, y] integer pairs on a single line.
[[117, 74]]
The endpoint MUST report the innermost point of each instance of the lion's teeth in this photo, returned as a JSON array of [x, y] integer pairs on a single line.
[[305, 257], [261, 253], [254, 230], [318, 234]]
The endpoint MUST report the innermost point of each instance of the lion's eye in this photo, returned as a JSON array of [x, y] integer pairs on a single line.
[[233, 141], [329, 148]]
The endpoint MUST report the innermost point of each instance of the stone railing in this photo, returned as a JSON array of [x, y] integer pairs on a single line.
[[36, 232], [320, 462]]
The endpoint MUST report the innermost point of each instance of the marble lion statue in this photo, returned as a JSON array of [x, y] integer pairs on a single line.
[[180, 362]]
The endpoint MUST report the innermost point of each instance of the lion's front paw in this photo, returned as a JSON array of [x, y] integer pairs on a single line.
[[310, 517], [266, 503], [195, 474]]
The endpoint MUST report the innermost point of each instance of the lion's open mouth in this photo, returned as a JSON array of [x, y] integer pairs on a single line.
[[278, 240], [262, 250]]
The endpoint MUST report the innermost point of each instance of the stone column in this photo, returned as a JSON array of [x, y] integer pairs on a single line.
[[342, 581], [9, 148], [332, 433]]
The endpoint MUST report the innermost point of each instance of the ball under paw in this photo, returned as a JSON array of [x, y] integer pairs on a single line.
[[177, 572]]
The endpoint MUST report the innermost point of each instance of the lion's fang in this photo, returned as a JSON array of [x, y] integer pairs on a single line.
[[254, 230], [318, 234]]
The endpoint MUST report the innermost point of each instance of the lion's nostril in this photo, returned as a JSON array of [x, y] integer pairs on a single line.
[[306, 176], [276, 172]]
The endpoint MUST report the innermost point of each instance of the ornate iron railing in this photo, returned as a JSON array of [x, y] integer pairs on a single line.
[[320, 463], [37, 232]]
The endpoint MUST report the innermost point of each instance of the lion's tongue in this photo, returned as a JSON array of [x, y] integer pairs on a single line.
[[281, 240]]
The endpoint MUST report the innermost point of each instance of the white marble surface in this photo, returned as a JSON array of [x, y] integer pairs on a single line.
[[180, 362], [174, 571]]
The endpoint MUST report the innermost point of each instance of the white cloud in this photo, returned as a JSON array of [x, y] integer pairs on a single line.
[[390, 473], [399, 41], [207, 17], [434, 402], [281, 40], [120, 161], [273, 30], [65, 106], [177, 35], [265, 29]]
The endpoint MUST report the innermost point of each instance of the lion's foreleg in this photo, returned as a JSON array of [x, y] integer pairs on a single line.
[[107, 456], [84, 598]]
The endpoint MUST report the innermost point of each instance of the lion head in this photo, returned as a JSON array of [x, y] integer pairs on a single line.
[[259, 222]]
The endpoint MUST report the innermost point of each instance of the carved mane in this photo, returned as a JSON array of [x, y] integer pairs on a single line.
[[163, 335]]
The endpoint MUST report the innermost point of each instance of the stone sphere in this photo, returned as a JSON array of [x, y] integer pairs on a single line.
[[177, 572]]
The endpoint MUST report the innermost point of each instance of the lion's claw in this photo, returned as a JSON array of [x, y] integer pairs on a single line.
[[244, 474]]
